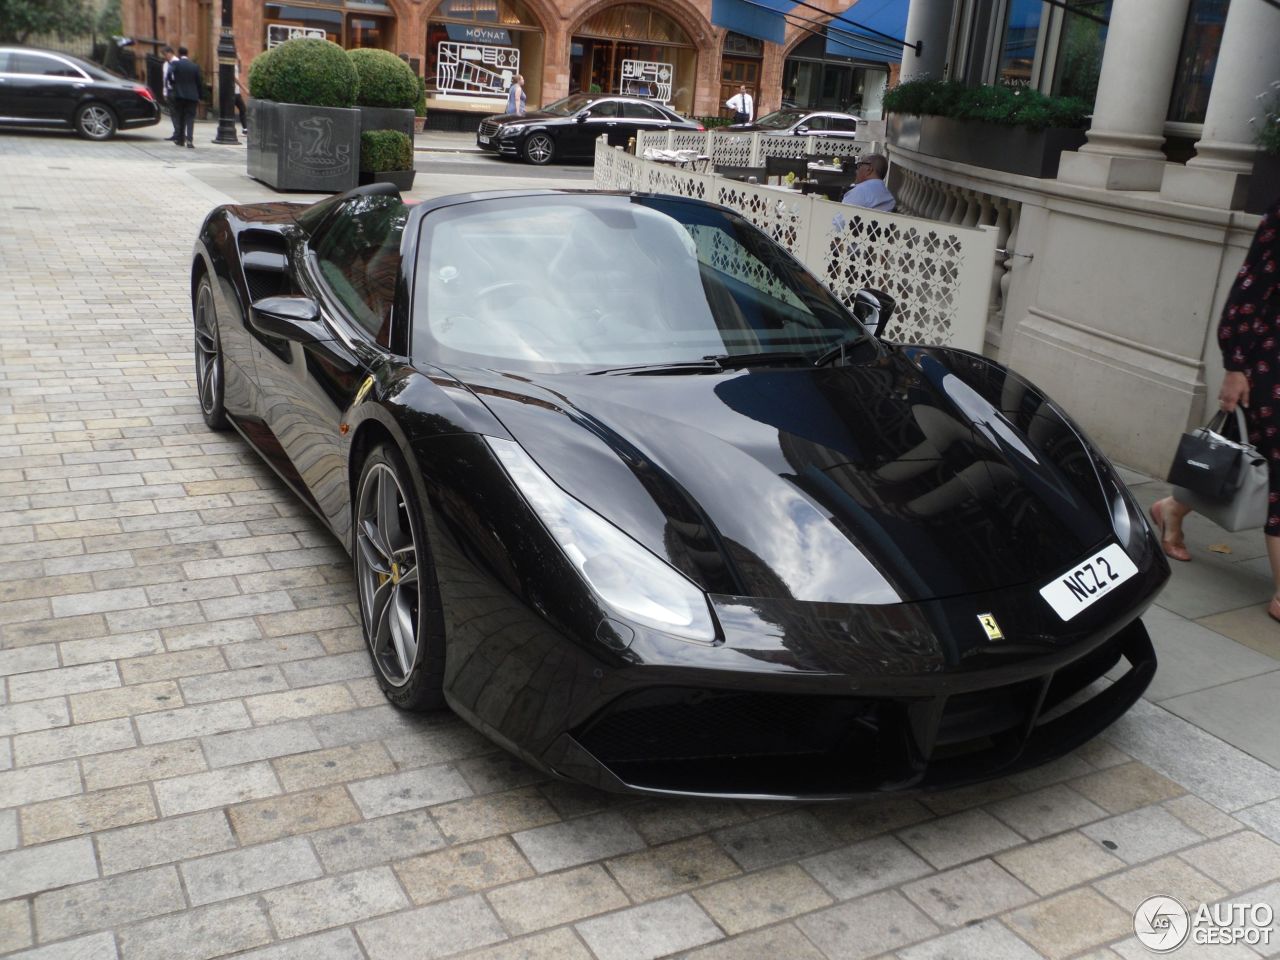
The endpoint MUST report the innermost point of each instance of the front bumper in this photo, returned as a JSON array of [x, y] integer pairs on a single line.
[[757, 745]]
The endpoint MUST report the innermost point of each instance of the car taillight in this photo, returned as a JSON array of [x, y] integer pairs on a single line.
[[701, 128], [145, 93]]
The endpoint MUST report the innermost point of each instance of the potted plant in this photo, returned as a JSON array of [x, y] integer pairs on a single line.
[[387, 93], [1014, 129], [386, 156], [303, 128], [1264, 184], [420, 108]]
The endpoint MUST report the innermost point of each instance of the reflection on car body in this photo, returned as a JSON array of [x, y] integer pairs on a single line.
[[628, 489]]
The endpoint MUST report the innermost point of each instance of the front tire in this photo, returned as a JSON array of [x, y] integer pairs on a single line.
[[396, 583], [210, 383], [540, 149], [96, 121]]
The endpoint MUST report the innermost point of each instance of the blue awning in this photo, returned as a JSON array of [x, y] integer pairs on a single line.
[[766, 20]]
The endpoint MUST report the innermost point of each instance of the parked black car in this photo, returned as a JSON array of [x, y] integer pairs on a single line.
[[633, 493], [568, 129], [826, 123], [46, 88]]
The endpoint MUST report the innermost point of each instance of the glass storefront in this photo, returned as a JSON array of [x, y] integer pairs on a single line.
[[634, 49], [354, 24], [1080, 48], [1197, 60], [475, 48], [813, 79], [1018, 43]]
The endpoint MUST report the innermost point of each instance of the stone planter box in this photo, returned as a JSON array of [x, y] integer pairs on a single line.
[[386, 118], [297, 147], [1264, 184], [401, 179], [1030, 153]]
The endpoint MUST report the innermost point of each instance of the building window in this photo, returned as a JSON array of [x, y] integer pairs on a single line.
[[1196, 61], [813, 79], [286, 22], [365, 31], [1018, 43], [1080, 46], [634, 49], [476, 47]]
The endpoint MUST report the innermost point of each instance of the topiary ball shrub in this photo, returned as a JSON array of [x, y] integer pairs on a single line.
[[260, 75], [420, 105], [385, 79], [383, 150], [316, 73]]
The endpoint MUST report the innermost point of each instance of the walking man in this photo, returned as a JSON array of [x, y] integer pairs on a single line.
[[742, 106], [184, 73], [167, 88]]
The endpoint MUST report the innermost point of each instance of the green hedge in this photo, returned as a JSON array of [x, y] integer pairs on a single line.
[[383, 150], [1267, 122], [313, 72], [420, 105], [385, 79], [1008, 106]]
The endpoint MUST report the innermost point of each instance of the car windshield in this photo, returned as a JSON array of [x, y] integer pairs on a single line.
[[569, 105], [780, 119], [590, 283]]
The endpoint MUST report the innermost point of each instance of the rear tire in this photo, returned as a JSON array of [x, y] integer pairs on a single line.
[[540, 149], [396, 583], [96, 121], [210, 382]]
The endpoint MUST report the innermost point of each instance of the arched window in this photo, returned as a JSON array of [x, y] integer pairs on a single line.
[[636, 49]]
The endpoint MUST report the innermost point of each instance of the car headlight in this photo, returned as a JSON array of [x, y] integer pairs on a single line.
[[622, 573], [508, 131]]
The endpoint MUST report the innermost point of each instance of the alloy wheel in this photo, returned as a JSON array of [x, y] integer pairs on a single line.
[[539, 149], [387, 569], [97, 122], [208, 369]]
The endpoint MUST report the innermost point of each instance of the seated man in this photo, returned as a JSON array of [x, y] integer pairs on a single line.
[[868, 185]]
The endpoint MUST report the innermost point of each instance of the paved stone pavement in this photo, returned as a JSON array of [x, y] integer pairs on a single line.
[[195, 761]]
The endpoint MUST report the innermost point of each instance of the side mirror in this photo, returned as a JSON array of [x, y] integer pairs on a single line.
[[289, 318], [583, 117], [802, 128], [873, 308]]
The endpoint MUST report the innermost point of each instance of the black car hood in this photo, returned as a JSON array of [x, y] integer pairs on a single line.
[[924, 474], [532, 116]]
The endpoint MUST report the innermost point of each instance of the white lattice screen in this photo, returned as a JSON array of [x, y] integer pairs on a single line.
[[751, 149], [939, 273]]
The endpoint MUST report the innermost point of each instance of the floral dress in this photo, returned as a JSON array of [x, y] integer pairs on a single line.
[[1249, 335]]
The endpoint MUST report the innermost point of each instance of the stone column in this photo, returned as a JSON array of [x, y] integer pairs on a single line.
[[929, 24], [1248, 60], [1138, 66]]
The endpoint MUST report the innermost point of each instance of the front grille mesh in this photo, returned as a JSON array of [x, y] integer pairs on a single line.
[[488, 128]]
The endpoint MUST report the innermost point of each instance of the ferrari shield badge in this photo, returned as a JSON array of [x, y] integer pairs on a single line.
[[990, 626]]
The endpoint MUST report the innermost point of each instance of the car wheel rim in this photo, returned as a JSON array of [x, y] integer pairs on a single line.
[[387, 569], [97, 121], [540, 149], [208, 370]]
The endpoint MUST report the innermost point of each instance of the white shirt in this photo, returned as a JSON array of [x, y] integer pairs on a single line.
[[741, 103], [164, 78]]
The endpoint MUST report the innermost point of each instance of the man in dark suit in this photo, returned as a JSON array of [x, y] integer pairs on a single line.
[[184, 74]]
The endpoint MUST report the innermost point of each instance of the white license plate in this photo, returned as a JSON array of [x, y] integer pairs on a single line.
[[1077, 589], [483, 139]]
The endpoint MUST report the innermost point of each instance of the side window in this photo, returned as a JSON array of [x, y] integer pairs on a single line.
[[40, 65], [844, 124], [359, 258], [604, 108], [816, 123], [4, 61], [641, 111]]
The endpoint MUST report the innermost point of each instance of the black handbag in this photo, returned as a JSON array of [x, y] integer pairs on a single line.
[[1209, 464]]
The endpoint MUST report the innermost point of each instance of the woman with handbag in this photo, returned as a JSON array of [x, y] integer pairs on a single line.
[[1249, 335]]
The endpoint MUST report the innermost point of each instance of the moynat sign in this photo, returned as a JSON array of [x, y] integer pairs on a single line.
[[498, 36]]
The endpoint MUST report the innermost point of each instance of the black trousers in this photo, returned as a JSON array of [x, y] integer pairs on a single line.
[[187, 118], [244, 125], [176, 117]]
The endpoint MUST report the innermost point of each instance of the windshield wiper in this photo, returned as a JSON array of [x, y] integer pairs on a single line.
[[712, 361], [840, 349]]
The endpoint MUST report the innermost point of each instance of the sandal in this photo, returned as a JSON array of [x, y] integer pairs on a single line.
[[1174, 550]]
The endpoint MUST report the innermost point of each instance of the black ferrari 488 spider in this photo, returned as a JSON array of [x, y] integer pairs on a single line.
[[633, 493]]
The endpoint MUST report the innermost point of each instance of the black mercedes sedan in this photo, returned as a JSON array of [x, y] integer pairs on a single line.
[[45, 88], [633, 493], [568, 129]]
